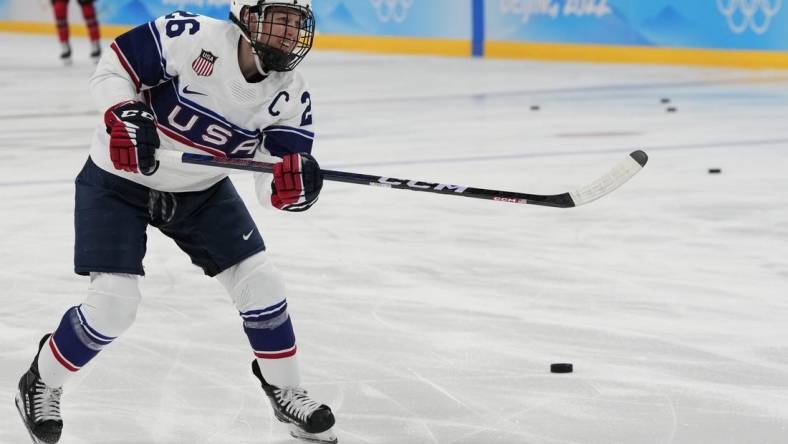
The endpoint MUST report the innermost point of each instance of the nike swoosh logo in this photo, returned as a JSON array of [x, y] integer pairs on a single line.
[[186, 90], [248, 235]]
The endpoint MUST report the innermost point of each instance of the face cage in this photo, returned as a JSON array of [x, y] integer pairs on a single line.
[[273, 58]]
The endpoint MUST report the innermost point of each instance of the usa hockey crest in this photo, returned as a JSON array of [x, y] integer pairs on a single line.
[[203, 65]]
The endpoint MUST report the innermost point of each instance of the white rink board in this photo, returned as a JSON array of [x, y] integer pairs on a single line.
[[433, 319]]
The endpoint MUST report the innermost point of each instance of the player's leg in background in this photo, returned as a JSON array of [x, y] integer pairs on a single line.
[[91, 21], [61, 22]]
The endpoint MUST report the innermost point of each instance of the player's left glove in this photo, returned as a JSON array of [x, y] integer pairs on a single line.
[[133, 137], [297, 182]]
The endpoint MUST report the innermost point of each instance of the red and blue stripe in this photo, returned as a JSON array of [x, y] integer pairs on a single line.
[[75, 342], [270, 331]]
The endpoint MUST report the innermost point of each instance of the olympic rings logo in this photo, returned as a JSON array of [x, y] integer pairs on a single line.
[[388, 10], [749, 14]]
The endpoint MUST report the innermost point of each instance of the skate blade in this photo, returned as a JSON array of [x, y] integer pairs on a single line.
[[327, 437], [20, 409]]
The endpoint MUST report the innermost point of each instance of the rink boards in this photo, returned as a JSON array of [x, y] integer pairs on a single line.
[[707, 32]]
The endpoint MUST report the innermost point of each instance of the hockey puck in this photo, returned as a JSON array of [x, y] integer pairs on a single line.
[[714, 171], [665, 100], [561, 367], [671, 109], [534, 107]]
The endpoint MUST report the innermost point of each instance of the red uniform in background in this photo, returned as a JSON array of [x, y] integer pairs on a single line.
[[61, 21]]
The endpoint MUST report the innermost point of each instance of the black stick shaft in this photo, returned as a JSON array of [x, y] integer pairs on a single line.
[[563, 200]]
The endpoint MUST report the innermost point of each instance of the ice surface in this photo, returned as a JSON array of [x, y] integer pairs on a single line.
[[433, 319]]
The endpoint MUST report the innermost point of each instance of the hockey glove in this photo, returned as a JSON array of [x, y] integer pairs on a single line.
[[133, 137], [297, 182]]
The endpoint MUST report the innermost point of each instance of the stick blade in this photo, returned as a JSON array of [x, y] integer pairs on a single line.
[[640, 157], [614, 178]]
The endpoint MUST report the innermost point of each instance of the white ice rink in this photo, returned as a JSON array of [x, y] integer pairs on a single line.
[[424, 318]]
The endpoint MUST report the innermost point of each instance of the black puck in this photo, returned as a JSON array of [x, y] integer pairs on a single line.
[[561, 367], [671, 109], [714, 171], [534, 107], [665, 100]]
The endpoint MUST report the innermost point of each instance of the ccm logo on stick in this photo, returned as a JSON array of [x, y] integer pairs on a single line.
[[389, 182]]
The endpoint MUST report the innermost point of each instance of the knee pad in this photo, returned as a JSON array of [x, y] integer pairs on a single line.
[[254, 283], [111, 305], [258, 291]]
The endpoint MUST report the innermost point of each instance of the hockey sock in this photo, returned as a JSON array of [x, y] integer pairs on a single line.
[[255, 283], [70, 347], [61, 19], [89, 12], [271, 336], [109, 309]]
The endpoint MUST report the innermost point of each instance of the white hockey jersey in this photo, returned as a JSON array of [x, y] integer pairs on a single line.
[[185, 67]]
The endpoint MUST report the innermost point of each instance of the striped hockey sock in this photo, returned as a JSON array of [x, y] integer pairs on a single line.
[[89, 13], [70, 347], [270, 333], [61, 20]]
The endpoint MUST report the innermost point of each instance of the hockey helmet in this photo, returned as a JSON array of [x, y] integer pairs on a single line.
[[281, 32]]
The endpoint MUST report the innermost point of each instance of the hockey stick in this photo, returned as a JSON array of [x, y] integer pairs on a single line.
[[605, 184]]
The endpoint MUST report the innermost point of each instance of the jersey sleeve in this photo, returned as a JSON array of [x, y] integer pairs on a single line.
[[143, 58], [293, 132]]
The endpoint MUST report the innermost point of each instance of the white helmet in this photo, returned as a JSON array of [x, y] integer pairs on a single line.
[[290, 47]]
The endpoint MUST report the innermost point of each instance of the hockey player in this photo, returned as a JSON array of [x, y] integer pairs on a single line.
[[193, 84], [61, 21]]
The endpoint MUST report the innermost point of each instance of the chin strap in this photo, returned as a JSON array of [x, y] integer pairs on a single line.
[[257, 57], [259, 65], [260, 69]]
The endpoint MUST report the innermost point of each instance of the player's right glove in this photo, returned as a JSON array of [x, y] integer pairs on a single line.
[[297, 182], [133, 137]]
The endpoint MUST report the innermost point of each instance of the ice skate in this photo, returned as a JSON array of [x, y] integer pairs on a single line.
[[65, 54], [95, 52], [39, 405], [308, 420]]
